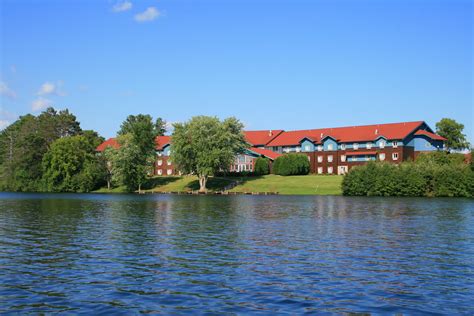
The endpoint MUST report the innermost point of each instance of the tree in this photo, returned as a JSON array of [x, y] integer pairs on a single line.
[[109, 156], [25, 142], [160, 127], [262, 166], [204, 145], [129, 165], [142, 130], [452, 131], [71, 165]]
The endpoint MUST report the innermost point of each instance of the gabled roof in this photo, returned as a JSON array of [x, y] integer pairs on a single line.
[[349, 133], [265, 152], [261, 138], [430, 135], [162, 141], [111, 142]]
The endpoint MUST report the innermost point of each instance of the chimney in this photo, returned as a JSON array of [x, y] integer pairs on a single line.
[[376, 131], [321, 135], [270, 133]]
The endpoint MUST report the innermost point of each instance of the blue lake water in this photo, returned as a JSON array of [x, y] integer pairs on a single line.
[[123, 254]]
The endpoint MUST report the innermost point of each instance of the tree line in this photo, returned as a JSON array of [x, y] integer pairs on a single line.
[[52, 153]]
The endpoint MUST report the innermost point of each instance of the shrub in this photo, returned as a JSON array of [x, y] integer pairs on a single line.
[[434, 178], [262, 166], [291, 164]]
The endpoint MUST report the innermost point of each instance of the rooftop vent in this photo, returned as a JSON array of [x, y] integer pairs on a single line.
[[270, 133], [376, 131]]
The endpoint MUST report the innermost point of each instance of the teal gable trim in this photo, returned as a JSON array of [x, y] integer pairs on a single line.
[[423, 143], [307, 146], [328, 142], [166, 150]]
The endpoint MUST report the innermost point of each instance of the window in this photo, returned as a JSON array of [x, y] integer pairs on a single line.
[[169, 172], [298, 149], [168, 162], [343, 146], [395, 144], [395, 156], [330, 146], [160, 172], [159, 154], [330, 158], [320, 158], [369, 145], [343, 158], [160, 162], [382, 144], [381, 156], [356, 146], [320, 148], [286, 149], [329, 170], [320, 170], [307, 148]]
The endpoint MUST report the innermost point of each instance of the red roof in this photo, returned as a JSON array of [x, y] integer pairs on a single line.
[[360, 153], [161, 141], [430, 135], [348, 134], [261, 138], [265, 152], [111, 142]]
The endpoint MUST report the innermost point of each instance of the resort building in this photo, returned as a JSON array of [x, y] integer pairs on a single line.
[[329, 150]]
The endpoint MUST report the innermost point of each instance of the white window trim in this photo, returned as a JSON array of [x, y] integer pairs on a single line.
[[330, 170], [330, 158], [330, 147], [343, 158], [382, 144], [382, 156], [160, 162], [369, 145], [394, 156], [355, 146], [320, 158], [395, 144], [320, 170], [343, 146]]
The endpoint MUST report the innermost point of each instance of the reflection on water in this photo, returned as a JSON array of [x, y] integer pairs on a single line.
[[235, 254]]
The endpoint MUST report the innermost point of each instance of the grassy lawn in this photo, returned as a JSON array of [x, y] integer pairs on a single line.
[[310, 184]]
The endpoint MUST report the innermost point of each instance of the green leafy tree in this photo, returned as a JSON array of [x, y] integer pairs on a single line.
[[291, 164], [108, 156], [262, 166], [71, 165], [142, 130], [160, 127], [204, 146], [130, 166], [453, 132], [26, 141]]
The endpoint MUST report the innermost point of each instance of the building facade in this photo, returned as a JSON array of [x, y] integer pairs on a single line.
[[329, 150]]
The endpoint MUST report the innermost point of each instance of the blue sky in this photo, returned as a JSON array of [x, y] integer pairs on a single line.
[[273, 64]]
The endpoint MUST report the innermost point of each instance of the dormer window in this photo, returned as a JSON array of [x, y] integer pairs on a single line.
[[369, 145], [382, 144], [307, 148], [330, 147], [395, 144], [356, 146], [320, 148]]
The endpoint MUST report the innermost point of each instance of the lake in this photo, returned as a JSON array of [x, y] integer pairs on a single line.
[[172, 254]]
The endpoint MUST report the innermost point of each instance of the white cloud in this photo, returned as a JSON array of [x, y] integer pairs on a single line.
[[6, 91], [51, 88], [149, 14], [40, 104], [122, 6]]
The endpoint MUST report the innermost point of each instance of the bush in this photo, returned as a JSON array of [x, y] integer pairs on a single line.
[[291, 164], [434, 178], [262, 166]]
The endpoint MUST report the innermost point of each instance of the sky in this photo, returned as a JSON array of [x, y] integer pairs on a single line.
[[273, 64]]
